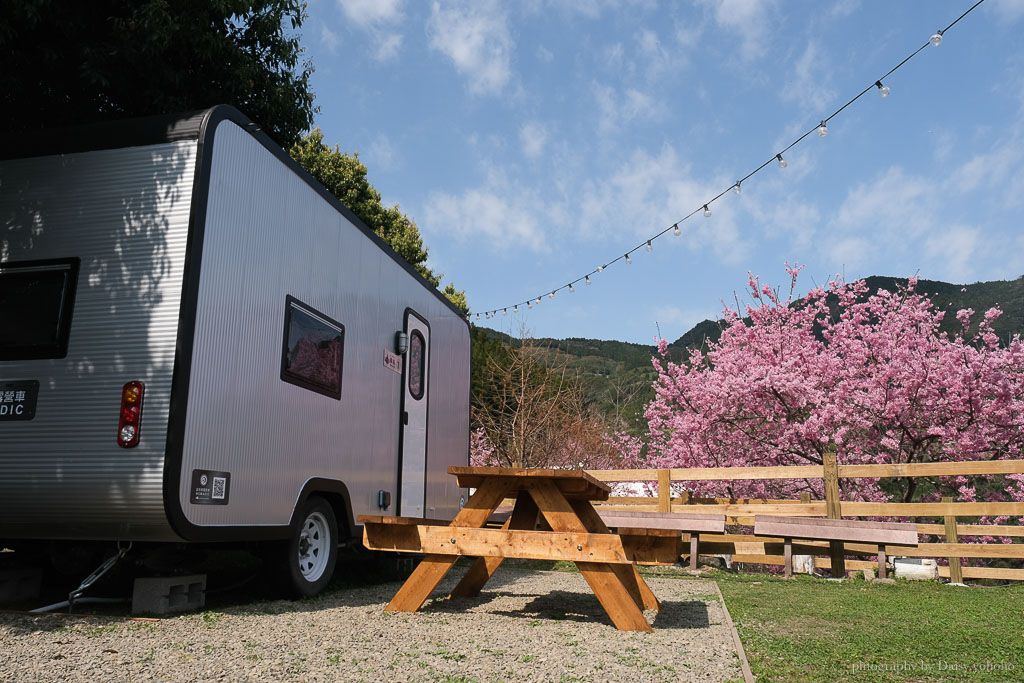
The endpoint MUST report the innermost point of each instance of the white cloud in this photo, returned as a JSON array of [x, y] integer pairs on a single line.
[[843, 8], [370, 13], [388, 45], [544, 55], [808, 86], [1008, 10], [330, 39], [894, 202], [533, 136], [748, 19], [616, 109], [660, 61], [849, 252], [476, 38], [954, 251], [647, 192], [377, 18], [482, 212], [993, 169], [382, 153], [880, 221]]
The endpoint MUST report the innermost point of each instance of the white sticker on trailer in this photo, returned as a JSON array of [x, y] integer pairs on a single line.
[[393, 361]]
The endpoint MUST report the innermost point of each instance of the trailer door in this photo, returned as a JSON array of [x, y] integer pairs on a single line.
[[414, 418]]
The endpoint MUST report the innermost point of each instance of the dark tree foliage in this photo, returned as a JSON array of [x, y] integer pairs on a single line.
[[68, 62]]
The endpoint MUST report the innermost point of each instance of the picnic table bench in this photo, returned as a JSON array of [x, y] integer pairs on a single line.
[[563, 498], [852, 531], [627, 521]]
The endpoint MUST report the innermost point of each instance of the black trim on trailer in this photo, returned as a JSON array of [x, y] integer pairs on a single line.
[[181, 374], [319, 485]]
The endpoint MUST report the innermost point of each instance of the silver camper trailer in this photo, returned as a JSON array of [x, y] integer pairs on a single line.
[[199, 344]]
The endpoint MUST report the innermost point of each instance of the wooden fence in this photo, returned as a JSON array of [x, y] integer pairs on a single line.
[[762, 550]]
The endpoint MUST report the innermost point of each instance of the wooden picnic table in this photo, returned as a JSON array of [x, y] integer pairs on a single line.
[[564, 499]]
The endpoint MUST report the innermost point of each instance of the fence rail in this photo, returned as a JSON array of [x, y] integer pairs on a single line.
[[761, 550]]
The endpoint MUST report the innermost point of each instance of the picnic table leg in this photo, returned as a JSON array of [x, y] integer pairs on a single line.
[[422, 582], [787, 556], [694, 545], [606, 582], [881, 561], [638, 589], [524, 516]]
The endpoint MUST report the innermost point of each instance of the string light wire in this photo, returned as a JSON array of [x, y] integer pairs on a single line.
[[777, 157]]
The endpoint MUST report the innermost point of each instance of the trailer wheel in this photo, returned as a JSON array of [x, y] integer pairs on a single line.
[[311, 552]]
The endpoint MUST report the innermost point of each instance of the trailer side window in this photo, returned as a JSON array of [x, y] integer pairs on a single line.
[[416, 364], [36, 302], [313, 349]]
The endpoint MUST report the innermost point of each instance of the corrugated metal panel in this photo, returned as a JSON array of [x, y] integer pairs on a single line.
[[124, 213], [269, 235]]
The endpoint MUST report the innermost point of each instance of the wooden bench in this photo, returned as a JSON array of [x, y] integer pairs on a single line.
[[628, 522], [653, 545], [880, 533]]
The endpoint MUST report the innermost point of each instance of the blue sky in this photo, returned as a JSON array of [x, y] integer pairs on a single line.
[[534, 141]]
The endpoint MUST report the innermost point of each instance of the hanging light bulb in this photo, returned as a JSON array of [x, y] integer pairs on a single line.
[[537, 301], [936, 39], [515, 309], [600, 268], [822, 130], [649, 247], [504, 311], [707, 211], [782, 162], [628, 260], [675, 230], [737, 187], [551, 295], [883, 90], [572, 290], [477, 316], [588, 280], [529, 304]]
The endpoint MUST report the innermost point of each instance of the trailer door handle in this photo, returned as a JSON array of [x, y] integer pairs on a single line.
[[405, 417]]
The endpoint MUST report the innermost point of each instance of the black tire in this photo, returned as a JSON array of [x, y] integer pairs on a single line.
[[304, 564]]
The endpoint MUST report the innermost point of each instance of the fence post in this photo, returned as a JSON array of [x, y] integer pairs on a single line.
[[833, 511], [664, 490], [956, 574]]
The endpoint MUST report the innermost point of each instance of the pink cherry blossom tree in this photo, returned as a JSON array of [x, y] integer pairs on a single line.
[[868, 374]]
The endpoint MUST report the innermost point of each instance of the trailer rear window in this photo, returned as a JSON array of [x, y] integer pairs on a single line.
[[313, 349], [36, 302]]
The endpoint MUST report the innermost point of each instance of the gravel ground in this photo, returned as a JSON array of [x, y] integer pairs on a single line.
[[525, 625]]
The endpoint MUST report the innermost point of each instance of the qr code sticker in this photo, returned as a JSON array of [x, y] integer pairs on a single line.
[[219, 488]]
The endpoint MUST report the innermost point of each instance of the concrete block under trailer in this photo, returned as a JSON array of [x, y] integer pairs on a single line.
[[198, 343]]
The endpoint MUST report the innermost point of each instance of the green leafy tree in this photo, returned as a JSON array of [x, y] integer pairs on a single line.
[[68, 62], [344, 176]]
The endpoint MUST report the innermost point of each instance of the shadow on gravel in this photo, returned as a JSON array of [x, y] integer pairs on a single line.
[[683, 614], [562, 605]]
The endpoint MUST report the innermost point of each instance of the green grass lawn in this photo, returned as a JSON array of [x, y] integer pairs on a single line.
[[808, 629]]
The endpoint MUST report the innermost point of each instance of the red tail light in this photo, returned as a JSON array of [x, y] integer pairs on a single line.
[[131, 414]]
